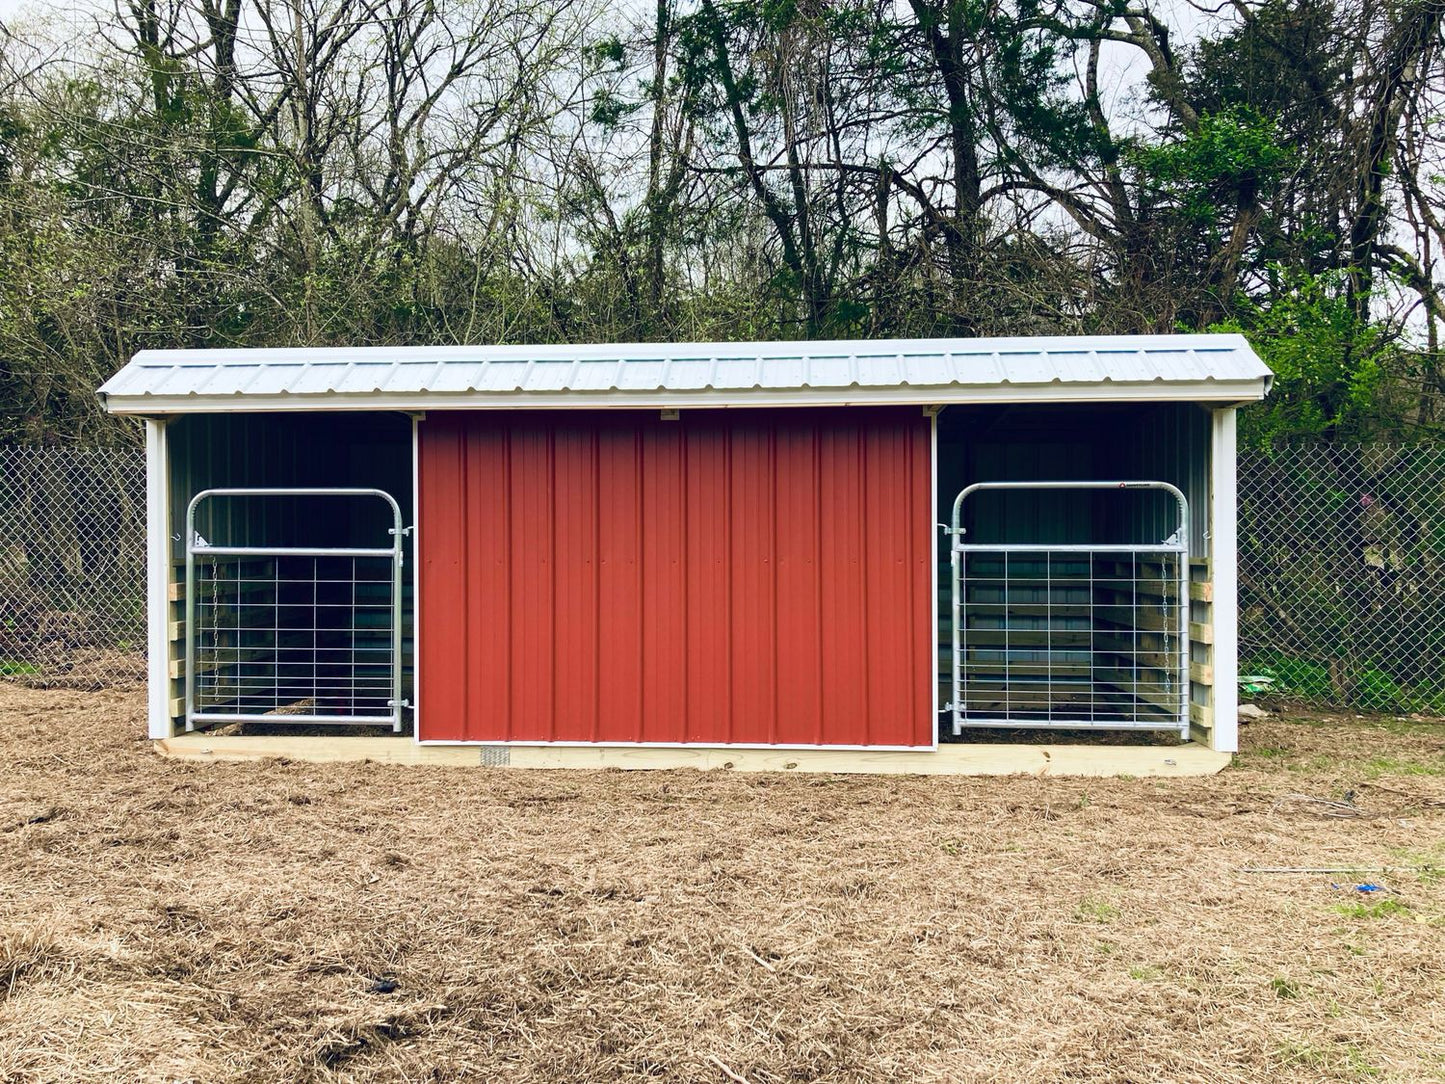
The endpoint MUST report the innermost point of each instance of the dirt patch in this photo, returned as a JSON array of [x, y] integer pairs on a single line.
[[281, 921]]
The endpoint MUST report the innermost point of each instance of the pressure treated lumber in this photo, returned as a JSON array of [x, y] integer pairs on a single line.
[[963, 759]]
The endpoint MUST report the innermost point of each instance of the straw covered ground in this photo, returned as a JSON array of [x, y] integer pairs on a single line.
[[279, 921]]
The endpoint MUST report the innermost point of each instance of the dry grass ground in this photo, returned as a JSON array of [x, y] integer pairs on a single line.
[[209, 922]]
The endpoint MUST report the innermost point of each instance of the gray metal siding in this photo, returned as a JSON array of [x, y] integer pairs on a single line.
[[287, 450], [268, 450]]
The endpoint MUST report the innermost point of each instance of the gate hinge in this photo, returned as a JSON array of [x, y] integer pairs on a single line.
[[398, 703], [404, 530]]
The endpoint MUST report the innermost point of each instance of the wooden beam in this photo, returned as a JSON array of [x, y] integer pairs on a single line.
[[996, 639], [225, 590], [1024, 669], [1027, 609], [1166, 661], [1134, 619], [1125, 595], [950, 759], [1122, 683], [1202, 673], [1136, 640], [1201, 591], [1224, 624], [1200, 633], [158, 576]]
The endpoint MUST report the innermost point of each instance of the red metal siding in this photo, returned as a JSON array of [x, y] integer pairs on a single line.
[[738, 576]]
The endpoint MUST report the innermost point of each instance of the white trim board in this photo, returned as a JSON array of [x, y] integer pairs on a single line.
[[933, 638], [158, 567], [1224, 571], [416, 556]]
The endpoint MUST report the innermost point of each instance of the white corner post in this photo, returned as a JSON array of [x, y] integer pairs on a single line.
[[158, 559], [1224, 570], [416, 420]]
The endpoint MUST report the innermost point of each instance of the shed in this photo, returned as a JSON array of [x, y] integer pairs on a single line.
[[675, 553]]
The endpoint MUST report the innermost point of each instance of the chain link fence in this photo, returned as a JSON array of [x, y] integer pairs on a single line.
[[72, 565], [1342, 574], [1341, 570]]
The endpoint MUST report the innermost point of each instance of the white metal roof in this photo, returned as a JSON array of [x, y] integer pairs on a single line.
[[1215, 368]]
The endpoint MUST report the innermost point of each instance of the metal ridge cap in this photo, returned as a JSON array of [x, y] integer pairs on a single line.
[[695, 351]]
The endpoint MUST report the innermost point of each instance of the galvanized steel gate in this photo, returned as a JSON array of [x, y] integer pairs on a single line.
[[1074, 635], [293, 634]]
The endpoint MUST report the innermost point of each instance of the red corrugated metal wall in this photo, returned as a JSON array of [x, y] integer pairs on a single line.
[[754, 576]]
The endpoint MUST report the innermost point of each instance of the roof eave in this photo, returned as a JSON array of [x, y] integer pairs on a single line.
[[1211, 391]]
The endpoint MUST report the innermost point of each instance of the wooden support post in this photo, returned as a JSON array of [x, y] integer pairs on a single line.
[[1224, 735], [158, 573]]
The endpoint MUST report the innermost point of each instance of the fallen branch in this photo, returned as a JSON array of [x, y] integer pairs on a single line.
[[726, 1071], [1327, 807], [1414, 799], [759, 959]]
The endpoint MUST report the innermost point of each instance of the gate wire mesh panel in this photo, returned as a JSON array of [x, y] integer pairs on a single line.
[[305, 637], [1071, 635], [1342, 574], [293, 633], [1071, 639], [72, 565]]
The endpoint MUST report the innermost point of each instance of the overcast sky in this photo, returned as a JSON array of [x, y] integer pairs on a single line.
[[1120, 78], [8, 8]]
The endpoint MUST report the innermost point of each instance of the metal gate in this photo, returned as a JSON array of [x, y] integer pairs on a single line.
[[1071, 636], [293, 634]]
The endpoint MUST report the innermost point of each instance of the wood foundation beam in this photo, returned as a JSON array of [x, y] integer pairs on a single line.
[[970, 759]]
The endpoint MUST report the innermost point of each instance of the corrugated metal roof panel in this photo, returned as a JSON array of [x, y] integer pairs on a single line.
[[689, 374], [1214, 367], [318, 379]]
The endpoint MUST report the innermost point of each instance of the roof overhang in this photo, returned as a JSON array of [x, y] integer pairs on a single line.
[[1212, 369], [1234, 393]]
